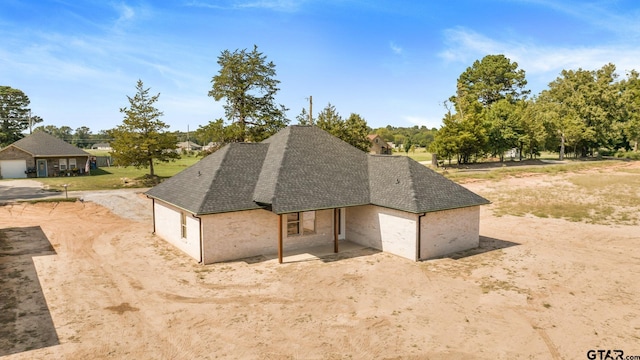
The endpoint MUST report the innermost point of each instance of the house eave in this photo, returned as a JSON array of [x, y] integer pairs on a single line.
[[338, 206]]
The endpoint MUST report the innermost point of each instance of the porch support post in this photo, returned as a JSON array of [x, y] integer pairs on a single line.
[[280, 239], [335, 230]]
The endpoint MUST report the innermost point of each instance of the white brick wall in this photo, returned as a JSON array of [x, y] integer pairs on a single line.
[[168, 227], [449, 231], [389, 230]]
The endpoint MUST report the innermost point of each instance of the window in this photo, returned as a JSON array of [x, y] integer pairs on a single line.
[[63, 164], [72, 164], [301, 223], [293, 224], [183, 225]]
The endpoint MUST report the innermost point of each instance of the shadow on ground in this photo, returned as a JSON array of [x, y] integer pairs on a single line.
[[8, 194], [324, 253], [25, 320], [487, 244]]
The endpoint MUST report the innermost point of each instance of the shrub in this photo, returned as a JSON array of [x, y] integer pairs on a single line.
[[628, 155]]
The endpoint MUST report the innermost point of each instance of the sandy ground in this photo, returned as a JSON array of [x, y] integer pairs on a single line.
[[79, 281]]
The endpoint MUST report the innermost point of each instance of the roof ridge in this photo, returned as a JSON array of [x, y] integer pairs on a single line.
[[204, 199], [413, 185]]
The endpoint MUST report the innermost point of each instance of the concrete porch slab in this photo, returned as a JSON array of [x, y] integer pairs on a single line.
[[319, 252]]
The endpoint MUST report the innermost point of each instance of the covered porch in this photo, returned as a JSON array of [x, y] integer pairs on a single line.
[[310, 224]]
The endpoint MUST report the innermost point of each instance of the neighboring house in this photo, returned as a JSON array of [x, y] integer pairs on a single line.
[[188, 146], [378, 145], [513, 153], [210, 146], [41, 155], [303, 187], [102, 146]]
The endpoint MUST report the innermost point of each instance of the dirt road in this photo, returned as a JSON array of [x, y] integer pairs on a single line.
[[78, 281]]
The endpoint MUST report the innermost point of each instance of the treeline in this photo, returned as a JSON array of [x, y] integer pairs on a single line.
[[583, 112], [405, 137], [81, 137]]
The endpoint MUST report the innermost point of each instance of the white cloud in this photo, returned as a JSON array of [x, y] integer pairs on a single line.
[[597, 15], [543, 62], [395, 48], [126, 12], [277, 5]]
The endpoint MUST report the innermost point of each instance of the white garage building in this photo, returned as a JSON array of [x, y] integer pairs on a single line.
[[303, 187]]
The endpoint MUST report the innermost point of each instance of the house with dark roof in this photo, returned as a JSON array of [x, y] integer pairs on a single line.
[[41, 155], [378, 145], [188, 146], [303, 187]]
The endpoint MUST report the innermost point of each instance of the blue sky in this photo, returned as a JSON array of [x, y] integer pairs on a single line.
[[393, 62]]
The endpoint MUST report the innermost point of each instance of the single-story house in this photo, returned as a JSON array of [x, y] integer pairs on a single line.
[[102, 146], [41, 155], [378, 145], [303, 187], [188, 146]]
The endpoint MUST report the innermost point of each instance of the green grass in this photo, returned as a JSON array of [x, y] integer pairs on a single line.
[[420, 154], [118, 177], [462, 175], [597, 196]]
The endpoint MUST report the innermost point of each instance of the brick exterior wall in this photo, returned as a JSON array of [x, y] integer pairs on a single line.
[[53, 163], [12, 153]]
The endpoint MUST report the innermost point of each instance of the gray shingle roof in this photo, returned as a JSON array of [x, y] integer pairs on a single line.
[[307, 168], [41, 144], [221, 182], [304, 168], [401, 183]]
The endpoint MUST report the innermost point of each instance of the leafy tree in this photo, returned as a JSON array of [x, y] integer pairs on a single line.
[[503, 121], [631, 106], [398, 139], [492, 81], [354, 130], [34, 119], [141, 138], [247, 82], [585, 108], [14, 114], [446, 143], [407, 145], [63, 132], [303, 117], [82, 136], [385, 134], [330, 120], [217, 133], [533, 131]]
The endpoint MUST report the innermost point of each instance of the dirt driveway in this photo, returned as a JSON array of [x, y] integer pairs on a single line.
[[79, 281]]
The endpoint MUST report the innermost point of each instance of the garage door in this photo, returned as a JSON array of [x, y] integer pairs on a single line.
[[13, 169]]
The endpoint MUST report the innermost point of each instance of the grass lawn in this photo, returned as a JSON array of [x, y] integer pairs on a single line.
[[118, 177], [477, 172], [420, 154], [602, 195]]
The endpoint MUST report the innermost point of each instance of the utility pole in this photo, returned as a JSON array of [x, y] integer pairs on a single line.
[[310, 110]]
